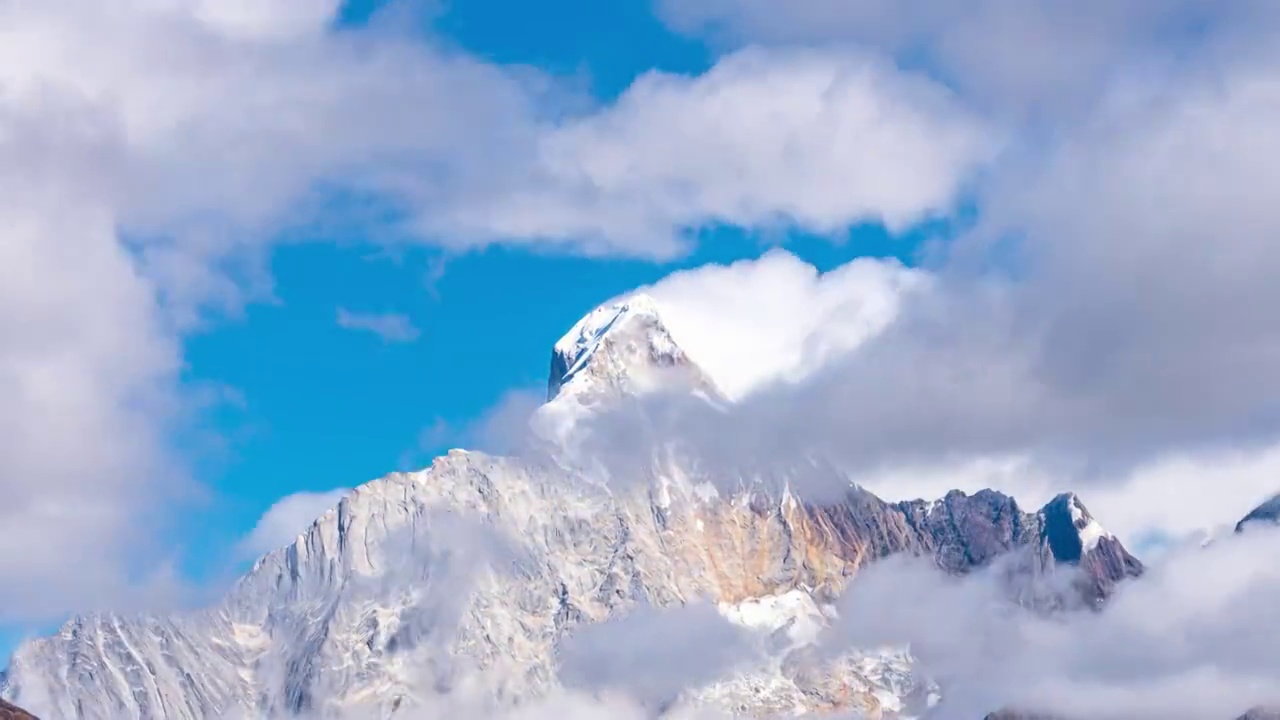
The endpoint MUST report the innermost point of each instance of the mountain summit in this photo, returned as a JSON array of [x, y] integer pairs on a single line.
[[1075, 537], [475, 572], [623, 347]]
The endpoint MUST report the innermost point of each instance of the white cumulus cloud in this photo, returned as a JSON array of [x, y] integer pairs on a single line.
[[777, 318], [815, 139]]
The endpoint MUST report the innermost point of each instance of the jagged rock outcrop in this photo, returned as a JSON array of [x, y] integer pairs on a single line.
[[473, 571]]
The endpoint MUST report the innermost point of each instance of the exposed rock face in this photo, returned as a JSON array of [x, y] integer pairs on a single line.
[[1075, 537], [333, 621], [474, 570], [1266, 513]]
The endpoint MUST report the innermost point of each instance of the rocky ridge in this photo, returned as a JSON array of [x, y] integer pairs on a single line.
[[472, 572]]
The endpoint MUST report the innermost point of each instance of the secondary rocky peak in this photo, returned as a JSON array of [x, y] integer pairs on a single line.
[[1075, 538], [622, 347], [1266, 513]]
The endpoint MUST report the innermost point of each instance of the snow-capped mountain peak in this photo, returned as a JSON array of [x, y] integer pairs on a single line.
[[622, 347]]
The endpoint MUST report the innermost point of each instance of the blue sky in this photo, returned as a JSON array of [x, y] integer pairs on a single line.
[[602, 46]]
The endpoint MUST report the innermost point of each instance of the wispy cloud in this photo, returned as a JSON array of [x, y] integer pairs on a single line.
[[391, 327]]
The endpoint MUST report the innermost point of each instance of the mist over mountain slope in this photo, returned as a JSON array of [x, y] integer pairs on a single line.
[[495, 582]]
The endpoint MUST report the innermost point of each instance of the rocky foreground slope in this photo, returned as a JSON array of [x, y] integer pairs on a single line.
[[9, 711], [469, 575]]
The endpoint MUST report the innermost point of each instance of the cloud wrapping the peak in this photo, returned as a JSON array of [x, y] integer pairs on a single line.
[[777, 318]]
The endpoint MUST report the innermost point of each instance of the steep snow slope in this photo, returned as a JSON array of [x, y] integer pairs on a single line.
[[470, 573]]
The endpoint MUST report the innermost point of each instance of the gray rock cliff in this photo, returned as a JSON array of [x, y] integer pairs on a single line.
[[473, 571]]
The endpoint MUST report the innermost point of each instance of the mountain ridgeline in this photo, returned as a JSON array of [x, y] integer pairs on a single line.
[[474, 571]]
